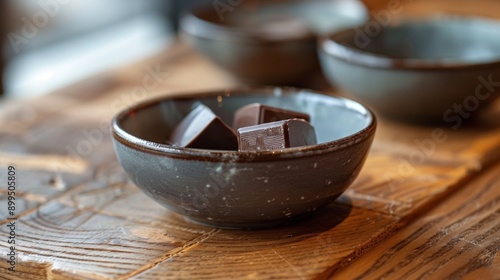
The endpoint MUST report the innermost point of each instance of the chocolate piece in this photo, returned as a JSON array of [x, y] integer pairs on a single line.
[[255, 113], [202, 129], [276, 135]]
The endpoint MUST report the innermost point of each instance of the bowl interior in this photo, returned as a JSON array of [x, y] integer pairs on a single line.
[[333, 118], [466, 40]]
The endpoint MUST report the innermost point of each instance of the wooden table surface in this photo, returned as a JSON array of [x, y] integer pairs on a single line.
[[426, 204]]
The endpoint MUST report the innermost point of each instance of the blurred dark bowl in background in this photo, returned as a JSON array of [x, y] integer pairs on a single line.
[[421, 70], [268, 42]]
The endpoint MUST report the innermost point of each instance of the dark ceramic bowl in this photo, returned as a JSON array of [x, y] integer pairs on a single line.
[[418, 70], [268, 42], [244, 189]]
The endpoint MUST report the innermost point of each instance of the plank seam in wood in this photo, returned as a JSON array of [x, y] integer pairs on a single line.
[[383, 235], [173, 253]]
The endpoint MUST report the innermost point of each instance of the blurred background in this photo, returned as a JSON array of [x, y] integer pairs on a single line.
[[49, 44]]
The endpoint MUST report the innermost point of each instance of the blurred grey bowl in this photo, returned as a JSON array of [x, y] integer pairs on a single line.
[[268, 42], [440, 69], [244, 189]]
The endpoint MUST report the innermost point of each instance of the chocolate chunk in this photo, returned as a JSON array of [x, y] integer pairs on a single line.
[[255, 113], [202, 129], [276, 135]]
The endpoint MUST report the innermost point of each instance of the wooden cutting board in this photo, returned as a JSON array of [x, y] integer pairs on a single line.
[[79, 217]]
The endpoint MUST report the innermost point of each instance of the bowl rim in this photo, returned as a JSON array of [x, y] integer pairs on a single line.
[[339, 50], [131, 141], [192, 24]]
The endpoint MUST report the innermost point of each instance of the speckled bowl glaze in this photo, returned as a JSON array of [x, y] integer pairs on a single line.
[[268, 42], [418, 70], [234, 189]]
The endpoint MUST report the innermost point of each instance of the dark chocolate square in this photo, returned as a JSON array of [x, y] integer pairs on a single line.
[[202, 129], [256, 113], [276, 135]]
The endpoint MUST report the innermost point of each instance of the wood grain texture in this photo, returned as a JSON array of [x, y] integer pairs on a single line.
[[108, 228], [299, 251], [72, 234], [459, 238]]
